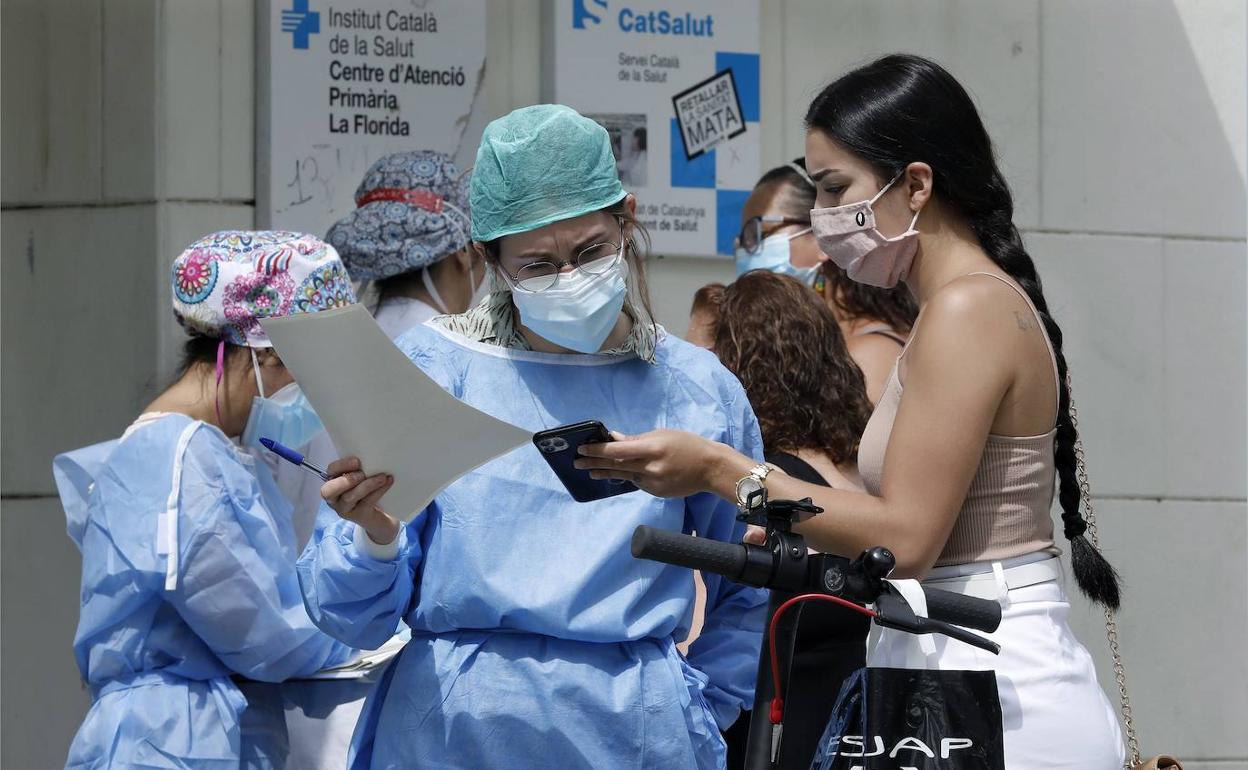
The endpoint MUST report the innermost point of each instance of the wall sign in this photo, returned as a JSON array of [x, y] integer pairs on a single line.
[[676, 84], [709, 113], [342, 84]]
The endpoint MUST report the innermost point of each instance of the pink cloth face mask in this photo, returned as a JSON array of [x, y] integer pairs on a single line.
[[847, 235]]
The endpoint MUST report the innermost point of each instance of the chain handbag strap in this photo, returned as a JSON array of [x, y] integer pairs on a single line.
[[1111, 620]]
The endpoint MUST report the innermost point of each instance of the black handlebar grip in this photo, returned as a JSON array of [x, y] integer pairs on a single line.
[[962, 610], [698, 553]]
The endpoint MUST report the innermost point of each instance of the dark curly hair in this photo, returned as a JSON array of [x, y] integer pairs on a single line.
[[903, 108], [783, 343]]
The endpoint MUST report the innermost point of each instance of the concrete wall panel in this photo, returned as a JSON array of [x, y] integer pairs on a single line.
[[1107, 295], [1141, 133], [1206, 338], [238, 103], [52, 86], [78, 332], [190, 94], [993, 48], [1181, 627], [40, 571], [130, 100]]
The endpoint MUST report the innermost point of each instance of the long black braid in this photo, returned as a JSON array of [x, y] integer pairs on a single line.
[[904, 108]]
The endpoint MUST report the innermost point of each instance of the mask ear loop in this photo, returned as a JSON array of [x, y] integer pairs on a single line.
[[458, 221], [427, 280], [220, 371], [913, 220], [255, 367], [798, 234], [475, 285], [886, 187]]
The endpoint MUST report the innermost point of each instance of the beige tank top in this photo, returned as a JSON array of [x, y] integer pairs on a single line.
[[1006, 511]]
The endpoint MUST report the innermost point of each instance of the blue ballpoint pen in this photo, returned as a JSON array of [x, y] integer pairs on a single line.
[[290, 455]]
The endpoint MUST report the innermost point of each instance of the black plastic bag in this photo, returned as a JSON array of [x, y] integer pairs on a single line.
[[905, 719]]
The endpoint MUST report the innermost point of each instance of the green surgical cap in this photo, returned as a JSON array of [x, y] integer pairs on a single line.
[[538, 165]]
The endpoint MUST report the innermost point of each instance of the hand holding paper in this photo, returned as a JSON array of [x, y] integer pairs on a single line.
[[356, 497], [380, 407]]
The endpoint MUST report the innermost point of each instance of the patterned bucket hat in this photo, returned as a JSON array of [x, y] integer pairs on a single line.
[[224, 283], [411, 211]]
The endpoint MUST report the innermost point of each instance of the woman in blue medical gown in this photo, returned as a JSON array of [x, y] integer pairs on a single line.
[[188, 552], [538, 641]]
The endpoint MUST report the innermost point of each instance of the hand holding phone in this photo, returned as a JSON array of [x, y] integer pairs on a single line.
[[558, 446]]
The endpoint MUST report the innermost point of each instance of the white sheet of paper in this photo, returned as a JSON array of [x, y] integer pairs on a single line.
[[380, 407]]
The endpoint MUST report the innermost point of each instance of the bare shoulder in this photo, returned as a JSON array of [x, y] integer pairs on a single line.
[[962, 307], [971, 316], [974, 294], [873, 346], [980, 306], [875, 356]]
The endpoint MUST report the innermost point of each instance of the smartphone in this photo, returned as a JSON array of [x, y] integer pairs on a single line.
[[558, 446]]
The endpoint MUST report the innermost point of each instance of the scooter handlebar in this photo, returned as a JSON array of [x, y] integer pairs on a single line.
[[682, 550], [730, 560], [961, 610]]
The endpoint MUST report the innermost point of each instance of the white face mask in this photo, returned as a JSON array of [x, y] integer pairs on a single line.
[[580, 310], [774, 255], [286, 417]]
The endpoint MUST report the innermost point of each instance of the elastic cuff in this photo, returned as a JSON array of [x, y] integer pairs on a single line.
[[365, 545]]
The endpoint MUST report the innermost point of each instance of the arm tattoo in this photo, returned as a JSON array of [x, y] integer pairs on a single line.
[[1024, 323]]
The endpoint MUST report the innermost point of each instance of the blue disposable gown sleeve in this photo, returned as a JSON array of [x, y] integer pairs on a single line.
[[353, 596], [237, 589], [727, 649]]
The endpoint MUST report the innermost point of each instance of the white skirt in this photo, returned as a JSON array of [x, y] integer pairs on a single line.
[[1054, 713]]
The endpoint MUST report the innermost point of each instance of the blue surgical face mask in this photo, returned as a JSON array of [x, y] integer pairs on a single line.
[[773, 255], [286, 417], [579, 311]]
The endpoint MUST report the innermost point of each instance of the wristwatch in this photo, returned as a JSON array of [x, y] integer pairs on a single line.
[[751, 483]]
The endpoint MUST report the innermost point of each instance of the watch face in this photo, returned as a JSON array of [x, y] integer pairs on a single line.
[[746, 487]]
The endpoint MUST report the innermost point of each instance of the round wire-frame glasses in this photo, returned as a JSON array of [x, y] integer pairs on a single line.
[[595, 259]]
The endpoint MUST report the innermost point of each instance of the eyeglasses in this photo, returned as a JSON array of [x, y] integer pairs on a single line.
[[537, 277], [751, 236]]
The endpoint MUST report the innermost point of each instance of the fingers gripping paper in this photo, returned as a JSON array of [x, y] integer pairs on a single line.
[[380, 407]]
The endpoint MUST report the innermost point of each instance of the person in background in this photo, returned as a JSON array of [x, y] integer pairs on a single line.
[[537, 639], [408, 238], [188, 550], [409, 235], [961, 456], [776, 235], [704, 315], [784, 344]]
